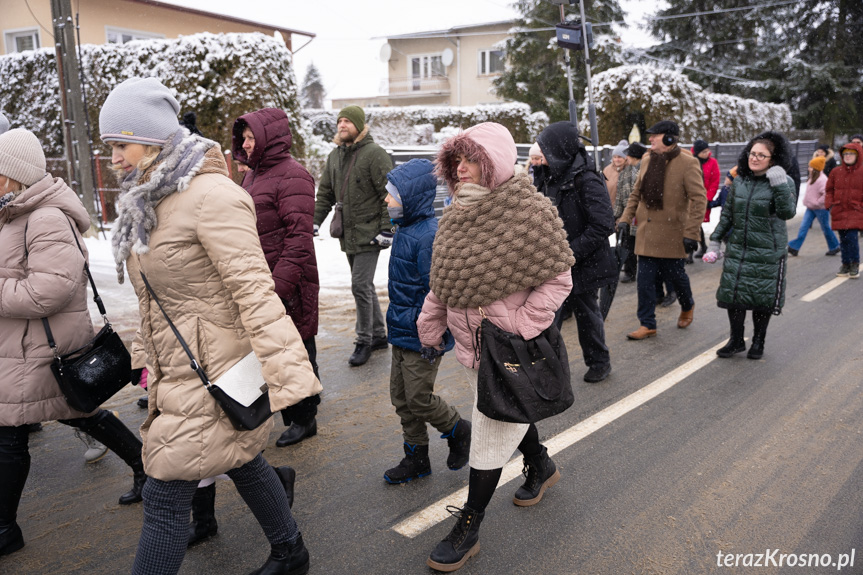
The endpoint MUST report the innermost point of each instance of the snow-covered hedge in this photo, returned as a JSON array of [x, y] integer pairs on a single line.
[[661, 94], [417, 125], [218, 76]]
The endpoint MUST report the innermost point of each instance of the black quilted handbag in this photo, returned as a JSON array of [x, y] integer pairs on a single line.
[[519, 380], [92, 374]]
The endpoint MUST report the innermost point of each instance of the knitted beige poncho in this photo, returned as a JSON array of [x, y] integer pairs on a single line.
[[510, 241]]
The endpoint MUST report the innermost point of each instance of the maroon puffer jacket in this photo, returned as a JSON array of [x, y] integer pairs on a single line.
[[284, 196], [844, 192]]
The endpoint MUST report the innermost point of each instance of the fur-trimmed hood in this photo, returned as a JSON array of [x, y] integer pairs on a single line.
[[781, 153], [489, 144]]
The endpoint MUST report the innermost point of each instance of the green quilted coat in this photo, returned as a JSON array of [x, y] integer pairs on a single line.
[[753, 275]]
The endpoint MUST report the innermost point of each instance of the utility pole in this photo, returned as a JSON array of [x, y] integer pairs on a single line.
[[78, 153]]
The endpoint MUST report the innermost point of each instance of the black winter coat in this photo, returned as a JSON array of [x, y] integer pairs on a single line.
[[584, 206]]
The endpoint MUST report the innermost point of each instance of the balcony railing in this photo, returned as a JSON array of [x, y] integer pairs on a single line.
[[418, 86]]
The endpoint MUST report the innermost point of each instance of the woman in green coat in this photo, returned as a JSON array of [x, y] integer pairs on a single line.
[[753, 275]]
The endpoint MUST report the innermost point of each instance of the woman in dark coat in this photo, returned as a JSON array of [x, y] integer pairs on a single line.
[[569, 179], [284, 196], [761, 199]]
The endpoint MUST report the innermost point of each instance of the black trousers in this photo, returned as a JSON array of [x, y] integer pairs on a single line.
[[591, 327]]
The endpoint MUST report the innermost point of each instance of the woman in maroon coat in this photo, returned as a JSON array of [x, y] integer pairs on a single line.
[[284, 196]]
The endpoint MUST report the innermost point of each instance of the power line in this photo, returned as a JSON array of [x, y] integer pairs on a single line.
[[47, 31]]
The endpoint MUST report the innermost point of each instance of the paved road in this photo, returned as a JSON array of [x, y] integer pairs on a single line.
[[739, 456]]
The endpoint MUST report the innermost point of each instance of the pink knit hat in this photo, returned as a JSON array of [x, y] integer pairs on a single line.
[[490, 144]]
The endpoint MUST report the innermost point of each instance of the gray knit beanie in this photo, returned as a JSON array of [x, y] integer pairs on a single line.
[[21, 157], [4, 123], [620, 149], [139, 111]]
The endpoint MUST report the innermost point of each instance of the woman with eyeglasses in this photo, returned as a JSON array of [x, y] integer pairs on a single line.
[[761, 199]]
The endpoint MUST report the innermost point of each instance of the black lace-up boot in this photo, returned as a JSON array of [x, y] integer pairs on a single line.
[[461, 544]]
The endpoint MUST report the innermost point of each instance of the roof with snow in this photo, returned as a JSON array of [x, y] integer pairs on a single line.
[[454, 31]]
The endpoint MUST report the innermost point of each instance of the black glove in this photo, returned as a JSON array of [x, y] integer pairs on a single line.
[[623, 228], [302, 412], [430, 354], [689, 245], [136, 376]]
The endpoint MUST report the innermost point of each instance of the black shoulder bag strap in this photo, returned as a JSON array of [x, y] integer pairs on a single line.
[[194, 363], [96, 297]]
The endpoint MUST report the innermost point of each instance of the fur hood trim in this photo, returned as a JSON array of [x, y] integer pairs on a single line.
[[338, 141]]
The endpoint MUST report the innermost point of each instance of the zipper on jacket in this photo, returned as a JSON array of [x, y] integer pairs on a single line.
[[745, 246]]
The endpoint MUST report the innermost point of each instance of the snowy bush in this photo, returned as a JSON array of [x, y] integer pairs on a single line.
[[218, 76], [661, 94], [404, 126]]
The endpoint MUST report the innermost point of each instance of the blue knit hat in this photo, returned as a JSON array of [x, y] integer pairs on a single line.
[[139, 111]]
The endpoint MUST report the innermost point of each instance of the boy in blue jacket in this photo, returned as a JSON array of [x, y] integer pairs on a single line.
[[410, 201]]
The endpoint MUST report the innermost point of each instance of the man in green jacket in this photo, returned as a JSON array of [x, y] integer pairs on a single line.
[[354, 183]]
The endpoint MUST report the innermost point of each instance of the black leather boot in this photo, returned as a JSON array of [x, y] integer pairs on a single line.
[[112, 433], [760, 320], [459, 444], [736, 343], [298, 432], [287, 475], [756, 350], [414, 465], [540, 473], [461, 544], [203, 525], [14, 470], [286, 559]]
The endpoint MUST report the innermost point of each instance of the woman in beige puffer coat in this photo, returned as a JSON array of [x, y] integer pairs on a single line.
[[42, 276], [192, 231]]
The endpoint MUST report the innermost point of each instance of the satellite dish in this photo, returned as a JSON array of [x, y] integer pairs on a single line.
[[386, 52], [446, 57]]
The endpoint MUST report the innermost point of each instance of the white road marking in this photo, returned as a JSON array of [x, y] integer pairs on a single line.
[[818, 292], [436, 512]]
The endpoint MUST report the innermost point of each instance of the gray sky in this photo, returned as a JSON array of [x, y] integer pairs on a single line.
[[350, 33]]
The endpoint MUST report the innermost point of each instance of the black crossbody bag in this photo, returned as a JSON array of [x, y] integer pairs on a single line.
[[92, 374]]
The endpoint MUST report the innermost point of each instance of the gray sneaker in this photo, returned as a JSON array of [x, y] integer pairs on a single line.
[[854, 271], [844, 271], [95, 450]]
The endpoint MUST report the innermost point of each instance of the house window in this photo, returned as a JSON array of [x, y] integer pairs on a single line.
[[21, 40], [121, 36], [490, 62], [424, 67]]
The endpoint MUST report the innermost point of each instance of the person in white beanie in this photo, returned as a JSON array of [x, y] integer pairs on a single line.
[[612, 170], [42, 276], [193, 232]]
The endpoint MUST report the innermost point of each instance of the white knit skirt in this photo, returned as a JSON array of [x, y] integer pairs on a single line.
[[492, 442]]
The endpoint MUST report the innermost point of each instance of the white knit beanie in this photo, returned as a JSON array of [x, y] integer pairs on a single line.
[[139, 111], [4, 123], [534, 150], [620, 149], [21, 157]]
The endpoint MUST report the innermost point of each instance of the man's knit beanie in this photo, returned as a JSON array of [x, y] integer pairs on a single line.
[[21, 157], [355, 114], [139, 111], [620, 149], [535, 150], [4, 123], [817, 163]]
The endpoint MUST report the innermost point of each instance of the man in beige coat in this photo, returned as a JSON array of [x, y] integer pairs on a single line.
[[669, 202]]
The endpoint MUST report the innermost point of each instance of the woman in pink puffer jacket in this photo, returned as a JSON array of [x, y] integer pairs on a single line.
[[500, 251]]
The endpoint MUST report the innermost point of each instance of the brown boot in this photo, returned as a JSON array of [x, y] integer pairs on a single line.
[[642, 333], [685, 318]]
